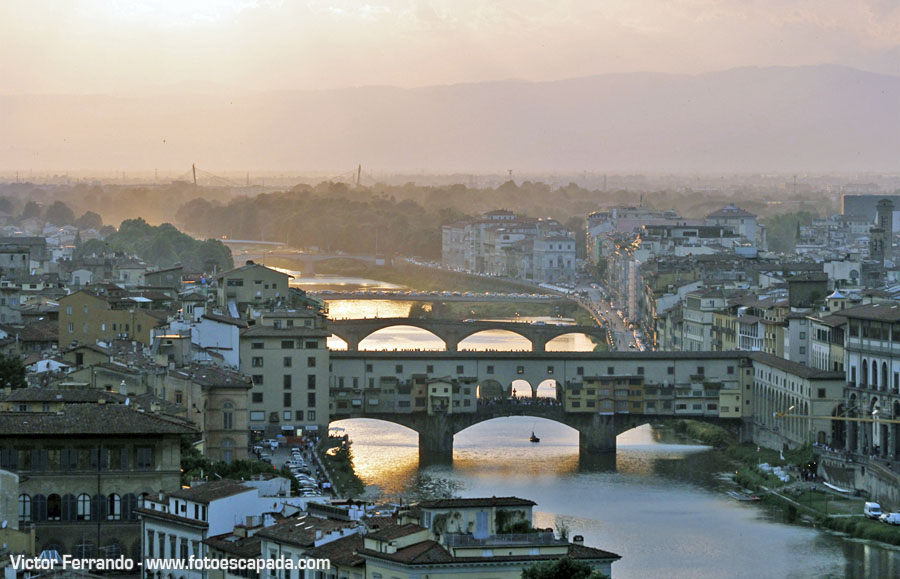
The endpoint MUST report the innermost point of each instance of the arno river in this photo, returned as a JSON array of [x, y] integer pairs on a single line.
[[659, 503]]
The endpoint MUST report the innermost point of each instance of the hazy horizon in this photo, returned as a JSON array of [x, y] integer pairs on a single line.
[[451, 86]]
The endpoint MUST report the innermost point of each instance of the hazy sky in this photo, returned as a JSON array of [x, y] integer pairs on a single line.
[[129, 46]]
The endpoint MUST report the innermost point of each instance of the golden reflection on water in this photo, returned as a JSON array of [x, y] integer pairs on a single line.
[[386, 455]]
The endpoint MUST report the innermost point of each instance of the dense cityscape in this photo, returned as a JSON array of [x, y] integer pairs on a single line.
[[413, 289]]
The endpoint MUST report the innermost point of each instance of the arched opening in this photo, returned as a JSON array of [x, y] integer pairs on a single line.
[[864, 374], [521, 389], [492, 390], [895, 413], [548, 390], [495, 340], [884, 376], [24, 509], [402, 338], [838, 429], [512, 434], [575, 342]]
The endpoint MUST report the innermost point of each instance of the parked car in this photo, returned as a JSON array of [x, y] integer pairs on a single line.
[[872, 510], [890, 518]]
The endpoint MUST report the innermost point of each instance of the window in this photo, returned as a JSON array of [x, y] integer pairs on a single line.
[[257, 416], [821, 393], [610, 370], [257, 379], [288, 361], [311, 399], [398, 369], [802, 335], [579, 370], [459, 369], [490, 369], [24, 508], [228, 416], [311, 415], [256, 362], [114, 507], [369, 368], [520, 369], [287, 344], [670, 370], [311, 362], [700, 370], [68, 310], [178, 397], [802, 350], [144, 458], [256, 397], [256, 345], [310, 381], [286, 415], [286, 381], [287, 402], [429, 369], [312, 344], [640, 370]]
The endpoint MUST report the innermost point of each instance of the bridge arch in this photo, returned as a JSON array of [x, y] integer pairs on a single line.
[[486, 334], [554, 344], [355, 340]]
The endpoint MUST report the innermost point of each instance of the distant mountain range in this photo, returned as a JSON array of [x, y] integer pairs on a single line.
[[792, 119]]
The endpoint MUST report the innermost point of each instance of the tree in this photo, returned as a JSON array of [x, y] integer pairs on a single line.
[[12, 371], [32, 209], [60, 214], [564, 568], [89, 220]]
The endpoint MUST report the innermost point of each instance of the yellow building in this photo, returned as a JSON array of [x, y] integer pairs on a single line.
[[606, 395], [252, 284], [86, 317]]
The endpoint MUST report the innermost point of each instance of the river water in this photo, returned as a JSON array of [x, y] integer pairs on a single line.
[[659, 502]]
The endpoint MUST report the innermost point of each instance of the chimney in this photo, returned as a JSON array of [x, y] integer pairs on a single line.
[[578, 539], [318, 534]]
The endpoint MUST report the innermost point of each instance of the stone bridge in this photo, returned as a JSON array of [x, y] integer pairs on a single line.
[[452, 332], [596, 431]]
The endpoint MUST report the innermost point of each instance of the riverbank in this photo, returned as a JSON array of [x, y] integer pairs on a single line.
[[337, 459], [798, 500]]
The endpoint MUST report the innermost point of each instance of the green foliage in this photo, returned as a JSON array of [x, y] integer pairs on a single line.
[[564, 568], [194, 465], [708, 433], [165, 246], [89, 220], [782, 229], [340, 467], [12, 371], [59, 214], [92, 247], [32, 209]]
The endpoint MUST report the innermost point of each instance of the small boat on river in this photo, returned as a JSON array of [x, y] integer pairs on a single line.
[[534, 438]]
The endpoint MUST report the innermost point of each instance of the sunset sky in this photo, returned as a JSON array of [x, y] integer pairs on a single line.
[[128, 47]]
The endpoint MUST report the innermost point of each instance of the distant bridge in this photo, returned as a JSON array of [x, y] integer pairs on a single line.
[[306, 262], [424, 296], [452, 332]]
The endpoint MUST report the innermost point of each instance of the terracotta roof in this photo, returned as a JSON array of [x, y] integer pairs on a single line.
[[795, 368], [211, 491], [243, 547], [90, 419], [476, 503], [424, 553], [225, 320], [301, 531], [395, 532], [80, 395], [885, 312], [250, 266], [342, 552]]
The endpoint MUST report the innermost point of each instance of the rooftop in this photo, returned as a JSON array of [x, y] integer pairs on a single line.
[[795, 368], [211, 491], [90, 419]]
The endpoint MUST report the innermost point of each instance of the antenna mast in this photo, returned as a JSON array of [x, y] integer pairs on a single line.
[[194, 171], [358, 173]]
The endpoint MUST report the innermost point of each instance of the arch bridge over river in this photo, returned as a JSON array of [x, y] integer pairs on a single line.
[[452, 332], [601, 395]]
